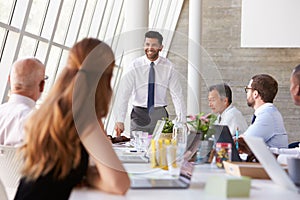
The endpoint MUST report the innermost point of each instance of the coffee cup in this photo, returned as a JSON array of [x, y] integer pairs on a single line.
[[294, 169]]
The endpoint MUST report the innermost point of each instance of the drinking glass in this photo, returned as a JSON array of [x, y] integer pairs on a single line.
[[142, 141], [175, 158]]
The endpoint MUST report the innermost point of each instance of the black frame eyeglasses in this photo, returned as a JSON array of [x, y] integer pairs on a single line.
[[247, 88]]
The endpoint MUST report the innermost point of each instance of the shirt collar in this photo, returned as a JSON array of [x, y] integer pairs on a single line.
[[16, 98], [260, 108], [227, 109], [149, 61]]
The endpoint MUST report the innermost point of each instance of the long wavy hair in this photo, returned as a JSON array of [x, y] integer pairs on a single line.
[[52, 142]]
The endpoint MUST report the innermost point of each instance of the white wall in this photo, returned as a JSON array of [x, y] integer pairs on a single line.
[[270, 23]]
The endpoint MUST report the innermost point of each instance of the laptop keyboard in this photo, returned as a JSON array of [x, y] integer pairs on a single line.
[[133, 158]]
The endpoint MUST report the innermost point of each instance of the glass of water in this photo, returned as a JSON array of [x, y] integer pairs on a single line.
[[142, 141]]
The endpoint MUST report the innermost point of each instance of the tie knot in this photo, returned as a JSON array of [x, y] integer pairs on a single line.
[[152, 64]]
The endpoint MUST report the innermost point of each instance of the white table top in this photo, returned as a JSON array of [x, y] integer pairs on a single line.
[[260, 189]]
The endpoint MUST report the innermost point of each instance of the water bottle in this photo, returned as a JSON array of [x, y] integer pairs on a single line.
[[180, 136]]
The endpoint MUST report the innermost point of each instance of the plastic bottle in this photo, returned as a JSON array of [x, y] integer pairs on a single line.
[[180, 136]]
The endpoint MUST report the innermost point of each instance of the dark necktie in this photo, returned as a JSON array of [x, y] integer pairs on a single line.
[[253, 119], [151, 83], [220, 118]]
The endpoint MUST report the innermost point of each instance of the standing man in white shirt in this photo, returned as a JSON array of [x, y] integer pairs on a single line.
[[27, 80], [139, 81], [220, 102]]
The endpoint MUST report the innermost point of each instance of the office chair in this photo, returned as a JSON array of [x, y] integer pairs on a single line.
[[294, 145], [10, 165], [3, 194]]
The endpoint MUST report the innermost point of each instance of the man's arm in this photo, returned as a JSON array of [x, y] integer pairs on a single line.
[[122, 98], [177, 96]]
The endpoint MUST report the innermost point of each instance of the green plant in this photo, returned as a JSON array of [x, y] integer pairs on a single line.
[[168, 127], [202, 123]]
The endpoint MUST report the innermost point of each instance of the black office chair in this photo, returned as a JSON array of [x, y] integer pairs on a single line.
[[293, 145]]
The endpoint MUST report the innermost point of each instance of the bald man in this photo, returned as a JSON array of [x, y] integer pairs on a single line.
[[27, 80]]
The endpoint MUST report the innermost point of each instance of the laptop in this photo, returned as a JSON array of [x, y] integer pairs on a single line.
[[182, 182], [222, 134], [270, 164], [132, 156], [186, 170]]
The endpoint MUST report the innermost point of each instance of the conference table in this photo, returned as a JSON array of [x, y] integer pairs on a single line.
[[260, 189]]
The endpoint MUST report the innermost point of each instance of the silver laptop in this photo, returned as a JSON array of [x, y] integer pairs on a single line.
[[269, 162], [182, 182], [132, 156]]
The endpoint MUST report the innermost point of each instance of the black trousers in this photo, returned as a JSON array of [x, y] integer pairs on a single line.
[[141, 120]]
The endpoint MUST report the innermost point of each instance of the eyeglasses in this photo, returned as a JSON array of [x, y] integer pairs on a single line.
[[248, 88], [46, 77]]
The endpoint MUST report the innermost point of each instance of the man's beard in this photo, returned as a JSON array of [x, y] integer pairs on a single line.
[[250, 103]]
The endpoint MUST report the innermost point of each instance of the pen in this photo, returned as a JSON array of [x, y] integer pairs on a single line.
[[236, 138]]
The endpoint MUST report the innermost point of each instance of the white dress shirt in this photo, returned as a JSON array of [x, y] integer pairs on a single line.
[[269, 126], [13, 114], [234, 119], [134, 84]]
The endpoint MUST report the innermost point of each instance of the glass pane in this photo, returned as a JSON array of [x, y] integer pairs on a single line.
[[2, 32], [41, 51], [87, 19], [97, 20], [5, 9], [52, 66], [75, 23], [51, 15], [27, 47], [37, 11], [63, 22], [62, 62]]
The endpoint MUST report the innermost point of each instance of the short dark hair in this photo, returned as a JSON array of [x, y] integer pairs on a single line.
[[296, 73], [154, 34], [224, 91], [266, 86]]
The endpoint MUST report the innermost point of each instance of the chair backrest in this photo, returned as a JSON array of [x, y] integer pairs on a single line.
[[10, 165], [3, 194]]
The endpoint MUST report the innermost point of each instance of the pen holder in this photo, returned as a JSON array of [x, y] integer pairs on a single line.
[[223, 153]]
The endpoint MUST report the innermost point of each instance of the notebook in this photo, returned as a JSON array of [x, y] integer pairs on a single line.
[[222, 134], [132, 156], [270, 164], [186, 170]]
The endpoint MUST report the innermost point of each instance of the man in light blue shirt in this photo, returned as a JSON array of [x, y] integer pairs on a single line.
[[267, 122]]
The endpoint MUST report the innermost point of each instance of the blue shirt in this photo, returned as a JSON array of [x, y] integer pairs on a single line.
[[269, 126]]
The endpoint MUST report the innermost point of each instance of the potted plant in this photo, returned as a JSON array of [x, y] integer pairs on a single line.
[[167, 131], [202, 124]]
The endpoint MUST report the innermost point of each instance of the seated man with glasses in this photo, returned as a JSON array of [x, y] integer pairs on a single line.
[[27, 80], [267, 122]]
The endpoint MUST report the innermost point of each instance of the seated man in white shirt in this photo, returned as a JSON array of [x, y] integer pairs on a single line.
[[220, 102], [27, 80]]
